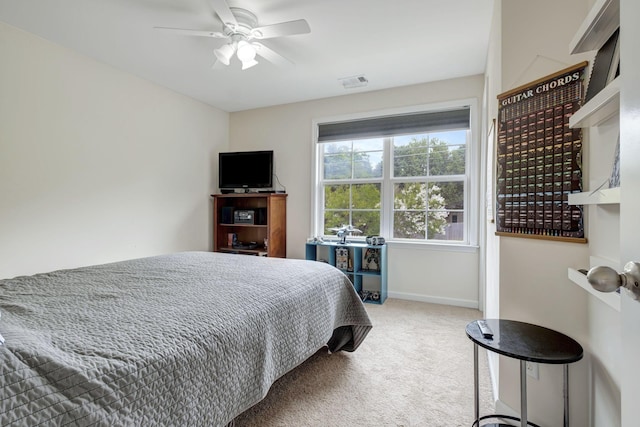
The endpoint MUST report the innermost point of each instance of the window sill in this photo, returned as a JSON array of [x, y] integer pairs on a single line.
[[432, 246], [419, 246]]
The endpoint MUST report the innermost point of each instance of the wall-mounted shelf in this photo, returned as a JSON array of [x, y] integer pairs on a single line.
[[606, 196], [602, 106], [610, 298], [600, 23]]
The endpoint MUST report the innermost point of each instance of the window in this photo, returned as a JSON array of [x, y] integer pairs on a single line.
[[352, 184], [428, 185], [405, 177]]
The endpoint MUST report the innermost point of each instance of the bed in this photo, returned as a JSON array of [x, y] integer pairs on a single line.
[[192, 338]]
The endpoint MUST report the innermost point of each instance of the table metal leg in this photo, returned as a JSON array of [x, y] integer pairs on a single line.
[[476, 384], [523, 393], [565, 394]]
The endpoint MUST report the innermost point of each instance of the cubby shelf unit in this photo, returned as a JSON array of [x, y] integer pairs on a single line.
[[362, 279]]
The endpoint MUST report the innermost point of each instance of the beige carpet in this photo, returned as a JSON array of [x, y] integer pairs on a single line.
[[414, 369]]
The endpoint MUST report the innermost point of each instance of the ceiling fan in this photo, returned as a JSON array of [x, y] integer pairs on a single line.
[[240, 28]]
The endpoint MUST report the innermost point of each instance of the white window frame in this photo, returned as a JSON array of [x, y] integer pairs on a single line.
[[472, 181]]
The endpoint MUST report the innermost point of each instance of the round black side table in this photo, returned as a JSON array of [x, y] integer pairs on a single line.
[[528, 343]]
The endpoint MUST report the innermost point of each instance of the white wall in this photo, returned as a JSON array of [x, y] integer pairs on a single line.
[[97, 165], [452, 276], [533, 283]]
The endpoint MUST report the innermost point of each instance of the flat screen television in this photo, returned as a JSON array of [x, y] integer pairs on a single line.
[[245, 170]]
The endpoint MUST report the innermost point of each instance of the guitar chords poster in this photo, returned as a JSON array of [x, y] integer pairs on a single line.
[[538, 158]]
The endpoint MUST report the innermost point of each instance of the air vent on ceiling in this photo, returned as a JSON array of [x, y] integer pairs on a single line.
[[353, 82]]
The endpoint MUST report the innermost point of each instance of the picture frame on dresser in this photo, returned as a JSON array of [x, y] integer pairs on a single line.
[[342, 258], [371, 260]]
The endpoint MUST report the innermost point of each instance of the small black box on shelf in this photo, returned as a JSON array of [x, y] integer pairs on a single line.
[[227, 215], [261, 216]]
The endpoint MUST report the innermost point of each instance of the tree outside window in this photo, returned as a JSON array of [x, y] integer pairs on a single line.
[[429, 180], [352, 185], [424, 175]]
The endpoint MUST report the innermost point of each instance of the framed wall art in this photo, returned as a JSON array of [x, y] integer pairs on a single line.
[[539, 158]]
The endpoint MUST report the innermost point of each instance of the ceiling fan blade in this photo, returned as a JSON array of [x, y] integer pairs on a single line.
[[222, 9], [289, 28], [217, 65], [185, 32], [271, 55]]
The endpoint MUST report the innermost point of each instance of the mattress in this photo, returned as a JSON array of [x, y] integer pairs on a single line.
[[192, 338]]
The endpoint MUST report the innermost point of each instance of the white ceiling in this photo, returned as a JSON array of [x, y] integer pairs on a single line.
[[391, 42]]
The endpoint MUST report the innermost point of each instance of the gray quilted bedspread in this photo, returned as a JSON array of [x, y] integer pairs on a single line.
[[187, 339]]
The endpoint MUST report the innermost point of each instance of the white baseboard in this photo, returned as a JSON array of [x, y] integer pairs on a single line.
[[434, 300]]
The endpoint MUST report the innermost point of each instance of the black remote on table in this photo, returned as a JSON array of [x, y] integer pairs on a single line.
[[485, 329]]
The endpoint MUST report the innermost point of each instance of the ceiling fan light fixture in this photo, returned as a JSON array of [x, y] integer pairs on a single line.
[[246, 54], [224, 53], [240, 28], [248, 64]]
